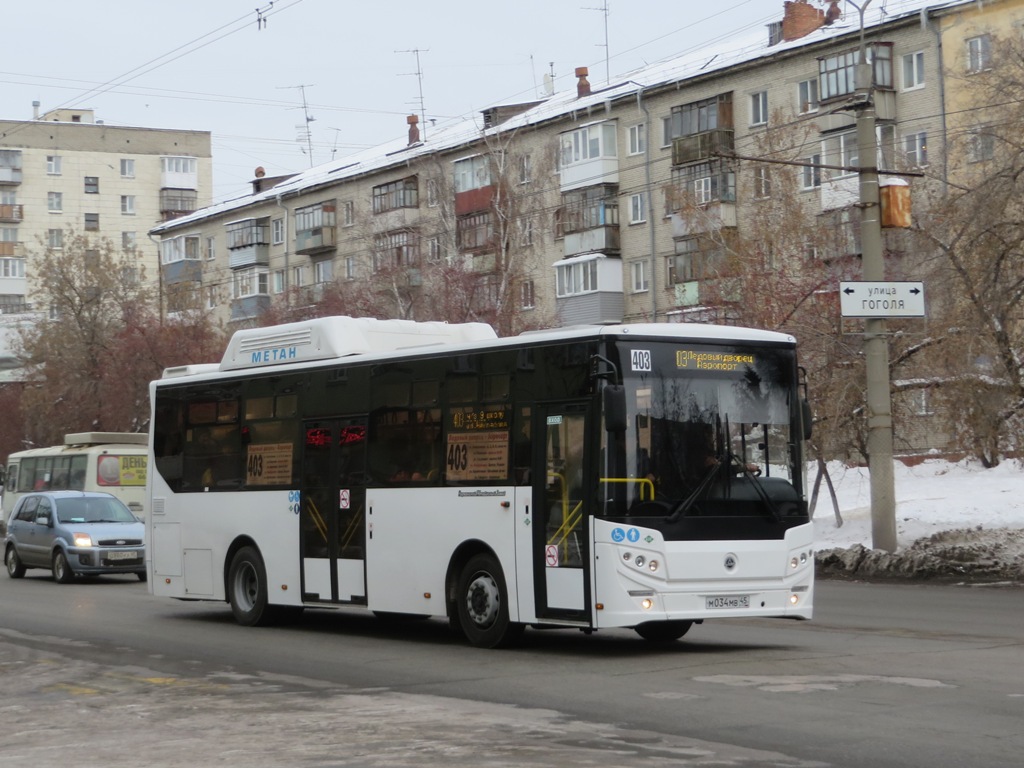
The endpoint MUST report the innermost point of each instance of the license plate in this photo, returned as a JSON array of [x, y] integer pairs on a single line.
[[122, 555], [727, 601]]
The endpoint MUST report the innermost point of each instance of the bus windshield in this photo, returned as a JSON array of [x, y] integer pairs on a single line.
[[711, 431]]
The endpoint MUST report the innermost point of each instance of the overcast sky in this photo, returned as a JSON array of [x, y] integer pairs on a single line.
[[213, 65]]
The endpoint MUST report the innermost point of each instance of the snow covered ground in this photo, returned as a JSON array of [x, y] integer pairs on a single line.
[[952, 519]]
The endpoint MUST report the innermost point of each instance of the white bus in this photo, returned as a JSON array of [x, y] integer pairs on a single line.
[[114, 462], [645, 476]]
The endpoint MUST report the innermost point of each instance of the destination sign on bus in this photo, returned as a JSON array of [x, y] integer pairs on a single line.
[[477, 447], [269, 464], [706, 360]]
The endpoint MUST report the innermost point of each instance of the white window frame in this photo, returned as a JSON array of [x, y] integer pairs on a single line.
[[127, 168], [53, 165], [762, 182], [55, 202], [807, 96], [211, 297], [810, 174], [12, 267], [277, 281], [472, 173], [348, 213], [638, 275], [350, 268], [759, 108], [211, 248], [979, 53], [577, 278], [323, 271], [982, 144], [591, 142], [251, 281], [637, 139], [527, 295], [298, 277], [127, 205], [129, 241], [277, 231], [913, 71], [915, 147], [638, 208], [525, 169], [55, 238]]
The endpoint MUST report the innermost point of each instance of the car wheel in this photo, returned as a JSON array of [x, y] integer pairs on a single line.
[[247, 589], [15, 568], [663, 631], [482, 604], [62, 572]]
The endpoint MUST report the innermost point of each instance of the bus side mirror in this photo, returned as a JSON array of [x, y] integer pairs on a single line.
[[614, 396], [807, 417]]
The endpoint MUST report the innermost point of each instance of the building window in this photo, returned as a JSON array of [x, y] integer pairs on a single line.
[[759, 108], [807, 96], [348, 213], [810, 172], [395, 249], [588, 143], [185, 165], [434, 250], [762, 182], [92, 185], [475, 232], [913, 70], [55, 202], [127, 168], [55, 238], [638, 272], [211, 248], [692, 261], [842, 150], [128, 241], [350, 268], [323, 271], [526, 230], [397, 194], [525, 169], [184, 248], [277, 231], [837, 73], [979, 53], [637, 139], [576, 278], [12, 267], [638, 208], [53, 165], [249, 282], [433, 200], [211, 297], [298, 276], [586, 209], [982, 144], [92, 222], [128, 205], [278, 281], [246, 233], [916, 145], [705, 183], [527, 300], [472, 173], [698, 117]]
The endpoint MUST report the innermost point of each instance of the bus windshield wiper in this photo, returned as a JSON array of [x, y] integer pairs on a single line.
[[686, 504], [732, 458]]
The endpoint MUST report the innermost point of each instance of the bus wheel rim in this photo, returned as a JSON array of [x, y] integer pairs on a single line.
[[247, 586], [483, 600]]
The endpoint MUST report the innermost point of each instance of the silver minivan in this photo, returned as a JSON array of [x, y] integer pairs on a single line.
[[74, 533]]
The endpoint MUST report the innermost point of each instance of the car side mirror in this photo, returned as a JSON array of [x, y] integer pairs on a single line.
[[43, 520]]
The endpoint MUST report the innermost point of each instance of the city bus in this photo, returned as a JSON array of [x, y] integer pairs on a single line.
[[113, 462], [644, 476]]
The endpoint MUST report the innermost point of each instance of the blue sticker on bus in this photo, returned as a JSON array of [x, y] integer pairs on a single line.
[[633, 535], [618, 534]]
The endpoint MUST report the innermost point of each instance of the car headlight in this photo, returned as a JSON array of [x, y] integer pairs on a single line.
[[82, 540]]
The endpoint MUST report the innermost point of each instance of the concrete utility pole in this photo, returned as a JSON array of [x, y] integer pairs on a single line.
[[876, 341]]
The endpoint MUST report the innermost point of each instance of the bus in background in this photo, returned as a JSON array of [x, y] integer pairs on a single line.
[[644, 476], [114, 462]]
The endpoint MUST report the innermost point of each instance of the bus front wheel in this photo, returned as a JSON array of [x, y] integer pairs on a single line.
[[483, 604], [663, 631], [247, 588]]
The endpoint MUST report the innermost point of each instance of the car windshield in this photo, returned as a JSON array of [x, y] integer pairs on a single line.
[[93, 510]]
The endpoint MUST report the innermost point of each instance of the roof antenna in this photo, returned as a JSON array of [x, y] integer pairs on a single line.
[[303, 131], [261, 19], [419, 77], [605, 11]]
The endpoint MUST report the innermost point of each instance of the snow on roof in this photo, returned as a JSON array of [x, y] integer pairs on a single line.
[[700, 61]]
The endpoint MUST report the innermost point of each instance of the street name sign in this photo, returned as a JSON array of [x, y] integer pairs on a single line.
[[881, 299]]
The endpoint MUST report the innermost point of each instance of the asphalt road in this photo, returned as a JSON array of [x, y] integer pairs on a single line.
[[101, 673]]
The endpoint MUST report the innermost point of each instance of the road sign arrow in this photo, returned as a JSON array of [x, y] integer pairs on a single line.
[[848, 291], [915, 291]]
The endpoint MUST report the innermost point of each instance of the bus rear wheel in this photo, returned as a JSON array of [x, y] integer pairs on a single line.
[[247, 589], [482, 603], [663, 631]]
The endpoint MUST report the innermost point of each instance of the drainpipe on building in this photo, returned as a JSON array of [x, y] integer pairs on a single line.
[[287, 269], [650, 199], [159, 280]]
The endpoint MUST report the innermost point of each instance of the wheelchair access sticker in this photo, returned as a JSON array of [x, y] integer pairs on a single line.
[[619, 535]]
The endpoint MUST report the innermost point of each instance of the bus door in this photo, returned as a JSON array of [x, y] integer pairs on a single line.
[[563, 471], [333, 509]]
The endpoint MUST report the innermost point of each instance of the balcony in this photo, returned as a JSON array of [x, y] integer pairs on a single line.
[[10, 175], [10, 213], [256, 254], [8, 248], [710, 217], [699, 147], [590, 227], [317, 240]]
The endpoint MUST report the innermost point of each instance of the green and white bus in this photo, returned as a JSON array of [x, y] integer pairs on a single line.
[[645, 476]]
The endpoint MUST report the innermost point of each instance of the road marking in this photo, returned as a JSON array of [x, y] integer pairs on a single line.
[[810, 683]]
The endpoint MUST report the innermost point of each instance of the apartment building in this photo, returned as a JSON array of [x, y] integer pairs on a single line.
[[65, 172]]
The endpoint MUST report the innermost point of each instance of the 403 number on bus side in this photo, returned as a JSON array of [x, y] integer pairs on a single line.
[[458, 457]]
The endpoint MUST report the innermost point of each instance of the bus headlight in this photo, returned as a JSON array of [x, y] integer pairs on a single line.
[[653, 565], [640, 560]]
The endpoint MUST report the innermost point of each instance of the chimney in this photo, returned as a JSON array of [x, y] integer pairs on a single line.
[[35, 110], [833, 14], [583, 85], [800, 19], [414, 129]]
